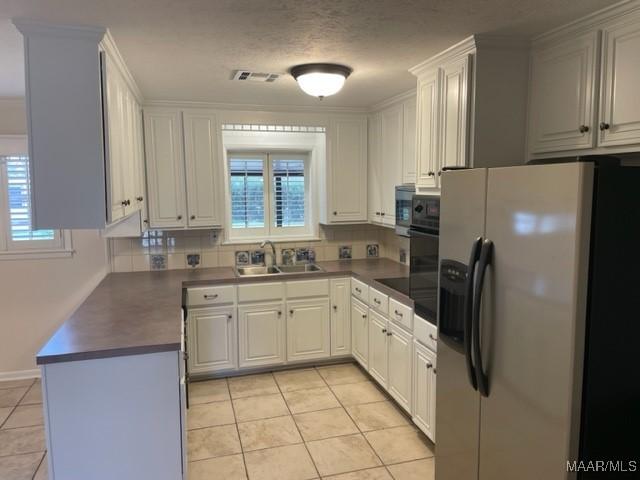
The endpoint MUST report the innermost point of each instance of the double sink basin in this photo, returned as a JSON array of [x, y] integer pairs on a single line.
[[277, 270]]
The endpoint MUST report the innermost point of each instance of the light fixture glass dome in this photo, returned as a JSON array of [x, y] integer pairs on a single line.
[[320, 79]]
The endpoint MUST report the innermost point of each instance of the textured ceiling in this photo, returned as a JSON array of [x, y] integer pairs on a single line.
[[187, 49]]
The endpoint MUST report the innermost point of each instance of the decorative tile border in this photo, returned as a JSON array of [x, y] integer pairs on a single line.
[[373, 250], [345, 252], [158, 262]]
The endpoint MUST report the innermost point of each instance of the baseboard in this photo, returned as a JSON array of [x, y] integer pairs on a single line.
[[20, 374]]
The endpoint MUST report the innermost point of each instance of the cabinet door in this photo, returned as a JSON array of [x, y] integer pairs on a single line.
[[400, 379], [427, 129], [340, 316], [562, 96], [114, 140], [424, 390], [165, 168], [141, 184], [455, 113], [374, 168], [201, 167], [308, 329], [619, 100], [347, 175], [391, 121], [213, 339], [378, 350], [409, 141], [360, 332], [261, 334], [130, 167]]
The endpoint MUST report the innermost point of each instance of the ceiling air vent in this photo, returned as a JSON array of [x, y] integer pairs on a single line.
[[246, 75]]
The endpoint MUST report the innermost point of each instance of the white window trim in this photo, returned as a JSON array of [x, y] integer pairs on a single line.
[[286, 234], [60, 247]]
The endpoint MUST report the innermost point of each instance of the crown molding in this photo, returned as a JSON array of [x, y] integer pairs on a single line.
[[399, 98], [239, 107], [588, 22], [109, 45], [35, 28], [463, 47]]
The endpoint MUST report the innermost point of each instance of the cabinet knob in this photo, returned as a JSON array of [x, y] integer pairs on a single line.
[[429, 365], [335, 307], [145, 221], [377, 213], [439, 173], [290, 312], [279, 314], [335, 213], [604, 126], [193, 217], [398, 313], [179, 217], [431, 174], [382, 214], [140, 198], [229, 317], [583, 128], [384, 330], [389, 334], [364, 316], [126, 203], [432, 337]]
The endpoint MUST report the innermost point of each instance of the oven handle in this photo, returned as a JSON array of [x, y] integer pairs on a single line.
[[418, 233], [468, 310]]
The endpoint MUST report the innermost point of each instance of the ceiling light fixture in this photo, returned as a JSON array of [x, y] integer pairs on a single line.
[[320, 79]]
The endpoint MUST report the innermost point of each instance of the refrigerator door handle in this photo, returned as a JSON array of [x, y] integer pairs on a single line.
[[468, 310], [486, 256]]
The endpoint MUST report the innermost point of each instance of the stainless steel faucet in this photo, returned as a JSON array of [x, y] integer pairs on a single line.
[[273, 251]]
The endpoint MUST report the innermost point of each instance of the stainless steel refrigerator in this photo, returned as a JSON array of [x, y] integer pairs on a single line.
[[538, 317]]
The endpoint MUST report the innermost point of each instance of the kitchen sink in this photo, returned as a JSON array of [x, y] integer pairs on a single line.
[[257, 271], [275, 270], [304, 268]]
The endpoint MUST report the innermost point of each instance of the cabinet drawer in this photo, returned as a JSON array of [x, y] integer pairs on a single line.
[[360, 290], [218, 295], [425, 332], [258, 292], [308, 288], [401, 314], [378, 301]]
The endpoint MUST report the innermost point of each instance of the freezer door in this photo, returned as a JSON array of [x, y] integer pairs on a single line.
[[462, 218], [533, 319]]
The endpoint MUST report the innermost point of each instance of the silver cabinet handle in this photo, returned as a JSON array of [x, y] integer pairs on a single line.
[[398, 313], [210, 297]]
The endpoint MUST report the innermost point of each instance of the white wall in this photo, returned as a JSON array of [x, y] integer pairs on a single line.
[[36, 296]]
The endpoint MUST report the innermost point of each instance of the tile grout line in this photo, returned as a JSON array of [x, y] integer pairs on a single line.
[[356, 424], [244, 460], [14, 408], [313, 462]]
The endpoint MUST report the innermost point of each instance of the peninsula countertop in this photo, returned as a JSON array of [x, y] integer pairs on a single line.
[[139, 312]]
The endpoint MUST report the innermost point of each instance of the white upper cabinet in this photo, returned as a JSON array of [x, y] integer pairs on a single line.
[[202, 169], [84, 134], [165, 168], [391, 157], [427, 139], [563, 96], [584, 86], [409, 140], [346, 170], [455, 113], [619, 122]]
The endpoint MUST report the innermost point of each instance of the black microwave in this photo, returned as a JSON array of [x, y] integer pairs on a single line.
[[425, 213]]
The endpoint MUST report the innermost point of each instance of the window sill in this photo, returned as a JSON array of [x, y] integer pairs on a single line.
[[253, 241], [36, 254]]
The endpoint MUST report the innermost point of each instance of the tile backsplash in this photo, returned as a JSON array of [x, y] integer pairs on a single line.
[[161, 250]]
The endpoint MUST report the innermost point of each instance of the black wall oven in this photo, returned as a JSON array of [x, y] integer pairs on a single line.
[[423, 262]]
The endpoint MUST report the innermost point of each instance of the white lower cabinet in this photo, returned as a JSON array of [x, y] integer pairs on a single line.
[[378, 351], [261, 334], [424, 390], [340, 316], [399, 375], [360, 332], [308, 329], [213, 339]]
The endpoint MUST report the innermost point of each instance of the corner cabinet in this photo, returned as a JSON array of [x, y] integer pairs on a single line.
[[346, 173], [183, 172], [583, 89], [85, 137], [471, 97]]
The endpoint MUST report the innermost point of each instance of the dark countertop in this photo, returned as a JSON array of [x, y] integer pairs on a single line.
[[139, 312]]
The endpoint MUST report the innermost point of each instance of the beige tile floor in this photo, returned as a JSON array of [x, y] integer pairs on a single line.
[[327, 422], [22, 447]]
